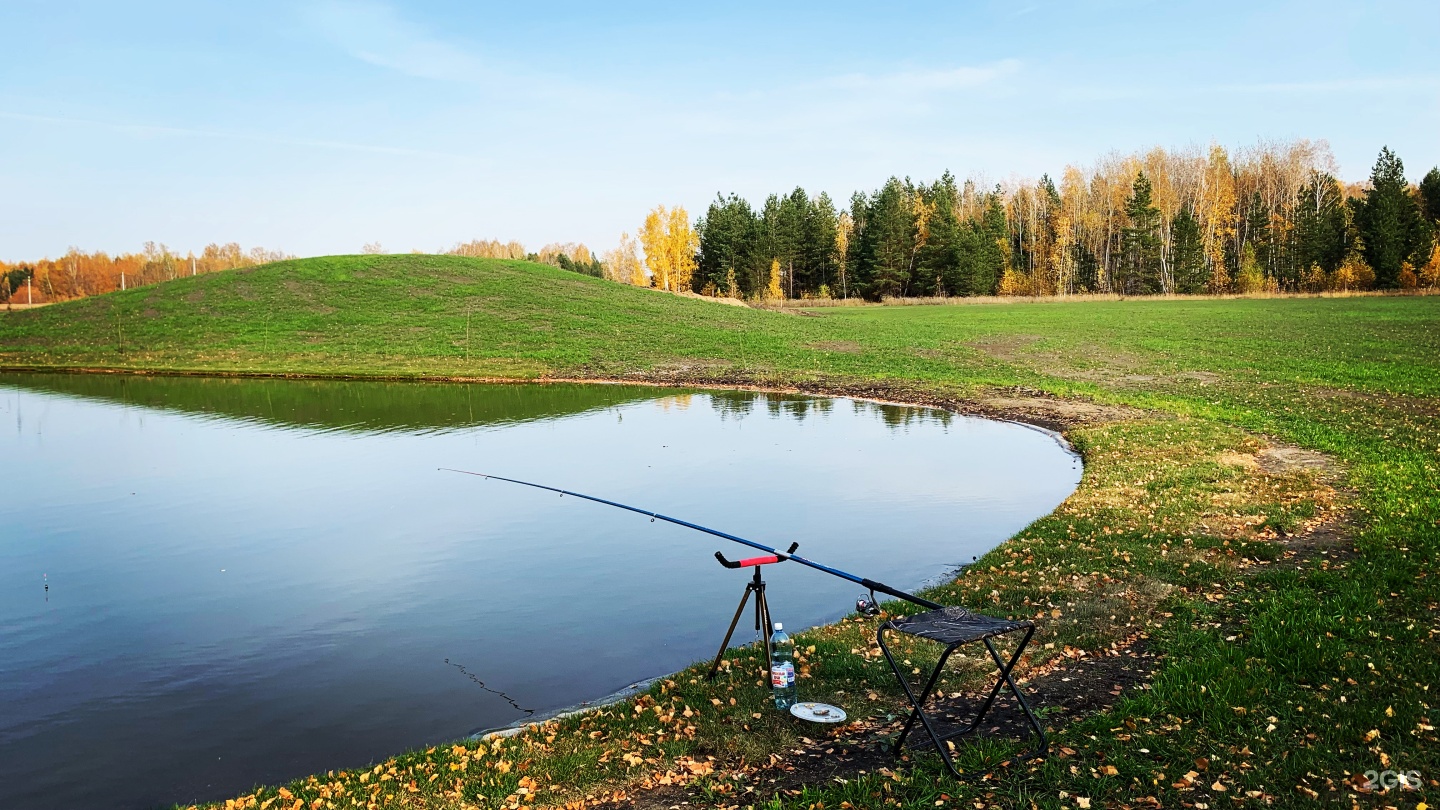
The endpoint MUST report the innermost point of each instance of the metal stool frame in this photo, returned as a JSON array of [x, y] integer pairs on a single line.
[[1004, 679]]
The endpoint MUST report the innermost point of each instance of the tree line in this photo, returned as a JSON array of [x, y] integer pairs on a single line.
[[78, 274], [572, 256], [1269, 218], [1272, 217]]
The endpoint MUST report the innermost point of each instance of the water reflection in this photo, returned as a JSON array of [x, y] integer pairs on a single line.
[[370, 407], [205, 584]]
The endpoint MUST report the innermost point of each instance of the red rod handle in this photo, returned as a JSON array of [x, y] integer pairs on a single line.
[[759, 561], [746, 563], [766, 560]]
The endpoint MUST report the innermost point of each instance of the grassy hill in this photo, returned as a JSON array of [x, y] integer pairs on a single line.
[[1291, 599], [400, 315], [423, 315]]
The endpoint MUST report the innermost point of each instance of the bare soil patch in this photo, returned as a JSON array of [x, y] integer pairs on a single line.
[[1009, 348], [1403, 403], [842, 346], [1054, 412], [1283, 459]]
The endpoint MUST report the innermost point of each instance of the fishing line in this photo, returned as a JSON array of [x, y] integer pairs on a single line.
[[482, 685], [870, 584]]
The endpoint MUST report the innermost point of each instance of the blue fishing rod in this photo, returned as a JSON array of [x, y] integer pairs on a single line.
[[870, 584]]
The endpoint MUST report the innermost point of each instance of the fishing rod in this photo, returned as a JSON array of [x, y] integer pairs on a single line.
[[870, 584]]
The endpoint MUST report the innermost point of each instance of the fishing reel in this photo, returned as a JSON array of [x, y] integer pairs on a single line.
[[866, 605]]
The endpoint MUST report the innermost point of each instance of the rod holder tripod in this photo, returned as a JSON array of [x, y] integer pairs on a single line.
[[756, 585]]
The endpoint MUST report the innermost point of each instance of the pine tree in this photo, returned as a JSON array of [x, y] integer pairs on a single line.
[[993, 256], [818, 245], [1322, 225], [1430, 195], [857, 262], [937, 262], [1140, 241], [729, 233], [1389, 220], [1258, 236], [889, 240], [1087, 268], [1187, 253]]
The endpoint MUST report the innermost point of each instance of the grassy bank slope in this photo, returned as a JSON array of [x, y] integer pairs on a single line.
[[1293, 604], [398, 315]]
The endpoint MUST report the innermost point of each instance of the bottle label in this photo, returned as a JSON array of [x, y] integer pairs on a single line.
[[782, 675]]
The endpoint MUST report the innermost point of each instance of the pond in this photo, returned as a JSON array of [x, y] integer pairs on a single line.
[[207, 584]]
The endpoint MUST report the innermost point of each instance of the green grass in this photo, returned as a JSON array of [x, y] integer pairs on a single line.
[[1170, 533]]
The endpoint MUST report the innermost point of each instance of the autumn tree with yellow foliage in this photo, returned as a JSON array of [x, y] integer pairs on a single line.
[[623, 263], [670, 244]]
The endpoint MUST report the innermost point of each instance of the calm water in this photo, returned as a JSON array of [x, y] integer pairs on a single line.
[[250, 581]]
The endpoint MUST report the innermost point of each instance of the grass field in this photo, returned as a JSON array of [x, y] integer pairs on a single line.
[[1290, 600]]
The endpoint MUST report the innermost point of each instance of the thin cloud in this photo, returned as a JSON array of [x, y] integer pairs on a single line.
[[374, 33]]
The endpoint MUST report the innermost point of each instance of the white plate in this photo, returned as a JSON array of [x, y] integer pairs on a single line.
[[818, 712]]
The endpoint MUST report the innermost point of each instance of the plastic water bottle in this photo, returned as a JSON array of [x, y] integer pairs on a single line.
[[782, 668]]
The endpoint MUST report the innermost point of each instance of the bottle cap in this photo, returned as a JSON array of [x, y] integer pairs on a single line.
[[779, 626]]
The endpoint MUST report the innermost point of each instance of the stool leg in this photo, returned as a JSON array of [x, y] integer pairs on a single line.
[[762, 617], [994, 690], [918, 705], [1005, 670]]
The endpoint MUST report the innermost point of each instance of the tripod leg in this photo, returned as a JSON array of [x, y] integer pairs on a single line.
[[714, 668], [762, 618]]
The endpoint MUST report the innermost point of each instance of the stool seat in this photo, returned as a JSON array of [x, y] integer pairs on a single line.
[[956, 625]]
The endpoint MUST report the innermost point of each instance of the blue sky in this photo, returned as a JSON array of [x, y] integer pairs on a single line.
[[316, 127]]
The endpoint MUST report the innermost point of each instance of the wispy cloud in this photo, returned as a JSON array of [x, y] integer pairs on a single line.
[[373, 32], [153, 130]]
